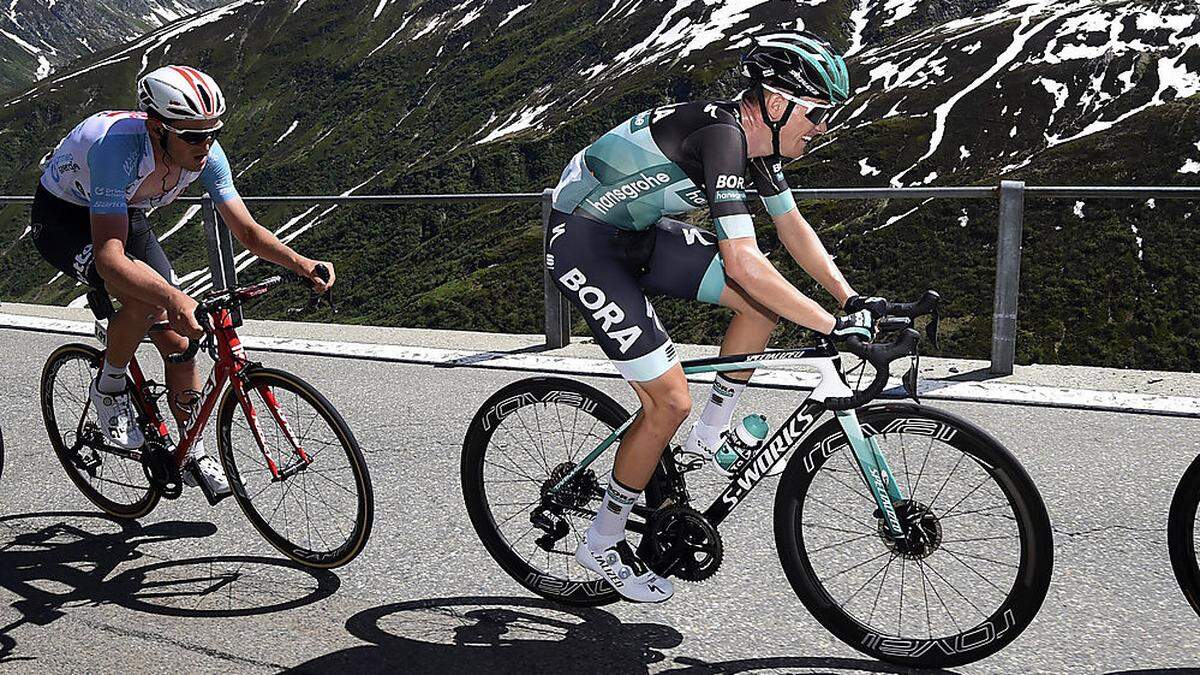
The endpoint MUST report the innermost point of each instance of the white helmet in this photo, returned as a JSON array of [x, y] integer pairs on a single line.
[[180, 93]]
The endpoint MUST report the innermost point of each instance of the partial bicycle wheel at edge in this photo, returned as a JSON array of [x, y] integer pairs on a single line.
[[523, 440], [978, 565], [319, 515], [115, 483], [1181, 534]]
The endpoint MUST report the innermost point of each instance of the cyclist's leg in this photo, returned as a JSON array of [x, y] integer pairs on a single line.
[[589, 262], [183, 379], [685, 263], [62, 234]]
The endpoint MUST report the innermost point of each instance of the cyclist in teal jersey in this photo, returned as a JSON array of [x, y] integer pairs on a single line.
[[610, 244], [89, 221]]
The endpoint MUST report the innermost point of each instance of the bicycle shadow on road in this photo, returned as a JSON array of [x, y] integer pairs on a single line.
[[526, 635], [81, 552]]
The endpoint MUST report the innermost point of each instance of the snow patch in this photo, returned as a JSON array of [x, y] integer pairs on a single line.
[[512, 14], [288, 132], [1078, 210], [518, 121], [392, 36], [866, 169], [1190, 166]]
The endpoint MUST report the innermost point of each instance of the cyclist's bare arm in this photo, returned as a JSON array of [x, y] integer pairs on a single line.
[[746, 266], [263, 243], [806, 249]]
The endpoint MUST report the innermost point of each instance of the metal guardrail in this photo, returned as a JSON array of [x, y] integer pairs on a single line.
[[557, 315]]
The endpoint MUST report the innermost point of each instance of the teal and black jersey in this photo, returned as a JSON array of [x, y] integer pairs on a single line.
[[672, 160]]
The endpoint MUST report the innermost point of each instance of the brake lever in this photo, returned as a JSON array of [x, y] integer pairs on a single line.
[[910, 377]]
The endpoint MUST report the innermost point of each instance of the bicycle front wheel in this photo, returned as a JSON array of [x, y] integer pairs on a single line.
[[1181, 534], [295, 469], [972, 571], [110, 479]]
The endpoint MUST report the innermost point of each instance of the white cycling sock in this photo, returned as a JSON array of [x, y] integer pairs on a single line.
[[609, 525], [725, 394], [111, 380]]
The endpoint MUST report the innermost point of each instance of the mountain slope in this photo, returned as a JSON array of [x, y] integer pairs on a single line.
[[39, 37], [389, 96]]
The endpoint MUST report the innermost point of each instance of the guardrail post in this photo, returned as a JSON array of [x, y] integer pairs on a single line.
[[558, 310], [220, 251], [1008, 276]]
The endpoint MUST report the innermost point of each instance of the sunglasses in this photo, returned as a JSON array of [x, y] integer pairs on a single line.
[[815, 112], [195, 136]]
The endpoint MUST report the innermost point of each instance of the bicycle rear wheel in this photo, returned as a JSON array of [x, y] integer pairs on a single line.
[[320, 512], [525, 439], [1181, 534], [973, 572], [110, 479]]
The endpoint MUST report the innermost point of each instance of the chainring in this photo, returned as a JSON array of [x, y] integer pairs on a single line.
[[158, 463], [682, 543]]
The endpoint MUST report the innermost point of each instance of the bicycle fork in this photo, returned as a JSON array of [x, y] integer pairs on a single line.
[[302, 458], [875, 472]]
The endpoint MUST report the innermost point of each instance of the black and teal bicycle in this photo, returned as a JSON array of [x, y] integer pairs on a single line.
[[908, 532]]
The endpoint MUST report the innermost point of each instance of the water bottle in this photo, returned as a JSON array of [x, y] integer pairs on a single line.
[[740, 442]]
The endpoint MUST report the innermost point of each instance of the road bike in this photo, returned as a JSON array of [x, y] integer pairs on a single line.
[[1181, 534], [297, 472], [908, 532]]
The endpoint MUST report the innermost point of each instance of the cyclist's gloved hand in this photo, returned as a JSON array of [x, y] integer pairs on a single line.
[[877, 306], [859, 324]]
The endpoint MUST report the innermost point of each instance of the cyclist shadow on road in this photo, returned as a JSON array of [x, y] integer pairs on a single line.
[[80, 551], [527, 635]]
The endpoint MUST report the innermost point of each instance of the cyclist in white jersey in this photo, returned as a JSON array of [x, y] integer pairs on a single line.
[[89, 221]]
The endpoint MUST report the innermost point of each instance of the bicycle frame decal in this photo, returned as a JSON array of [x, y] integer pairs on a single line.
[[755, 469], [875, 470]]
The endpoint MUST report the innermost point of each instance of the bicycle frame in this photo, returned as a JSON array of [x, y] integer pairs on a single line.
[[229, 365], [876, 473]]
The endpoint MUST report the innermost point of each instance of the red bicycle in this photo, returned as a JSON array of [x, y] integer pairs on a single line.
[[297, 472]]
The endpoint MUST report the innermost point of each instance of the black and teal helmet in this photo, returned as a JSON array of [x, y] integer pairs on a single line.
[[797, 64]]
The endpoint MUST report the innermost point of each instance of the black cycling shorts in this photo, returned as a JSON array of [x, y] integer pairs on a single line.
[[62, 233], [608, 272]]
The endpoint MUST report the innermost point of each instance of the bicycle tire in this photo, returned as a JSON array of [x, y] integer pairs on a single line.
[[1181, 534], [1031, 580], [487, 420], [134, 508], [356, 539]]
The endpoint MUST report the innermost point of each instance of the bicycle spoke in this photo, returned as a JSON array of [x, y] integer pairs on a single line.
[[975, 571]]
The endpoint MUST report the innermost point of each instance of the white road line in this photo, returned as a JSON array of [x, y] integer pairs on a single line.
[[983, 392]]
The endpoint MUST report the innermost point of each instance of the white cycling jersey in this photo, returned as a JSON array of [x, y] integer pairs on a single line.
[[104, 160]]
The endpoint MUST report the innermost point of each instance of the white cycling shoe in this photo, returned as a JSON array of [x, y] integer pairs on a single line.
[[625, 572], [117, 418], [205, 472]]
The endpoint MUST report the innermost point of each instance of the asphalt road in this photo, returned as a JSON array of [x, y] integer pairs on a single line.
[[193, 588]]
